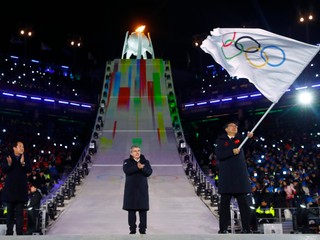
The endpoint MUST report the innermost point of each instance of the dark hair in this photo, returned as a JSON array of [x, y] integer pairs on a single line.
[[134, 146], [15, 143], [230, 122]]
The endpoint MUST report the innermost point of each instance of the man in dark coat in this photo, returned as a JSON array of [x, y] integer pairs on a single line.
[[233, 177], [15, 166], [136, 193], [34, 203]]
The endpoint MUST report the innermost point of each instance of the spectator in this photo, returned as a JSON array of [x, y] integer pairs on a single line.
[[290, 192], [44, 182], [265, 212], [54, 174], [33, 207], [34, 178]]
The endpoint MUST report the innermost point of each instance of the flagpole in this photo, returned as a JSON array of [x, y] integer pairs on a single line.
[[254, 128]]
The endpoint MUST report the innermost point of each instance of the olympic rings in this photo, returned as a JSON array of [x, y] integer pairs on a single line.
[[254, 49], [265, 58], [231, 41], [281, 50], [228, 43], [246, 51]]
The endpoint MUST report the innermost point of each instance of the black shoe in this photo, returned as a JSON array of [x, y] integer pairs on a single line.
[[223, 232], [132, 232], [142, 231]]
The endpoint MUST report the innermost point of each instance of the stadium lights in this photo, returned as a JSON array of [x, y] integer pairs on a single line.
[[306, 20], [47, 100], [27, 33], [245, 97], [305, 98]]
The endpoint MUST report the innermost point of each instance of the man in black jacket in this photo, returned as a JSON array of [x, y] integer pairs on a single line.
[[33, 207], [15, 166], [136, 193], [233, 177]]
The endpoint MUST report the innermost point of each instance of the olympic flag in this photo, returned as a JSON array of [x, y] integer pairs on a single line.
[[271, 62]]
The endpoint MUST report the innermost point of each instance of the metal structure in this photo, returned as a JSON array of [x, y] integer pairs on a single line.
[[137, 44]]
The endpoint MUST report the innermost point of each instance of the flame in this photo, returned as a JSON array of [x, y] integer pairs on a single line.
[[141, 28]]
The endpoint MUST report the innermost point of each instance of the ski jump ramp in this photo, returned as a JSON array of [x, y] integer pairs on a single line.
[[138, 108]]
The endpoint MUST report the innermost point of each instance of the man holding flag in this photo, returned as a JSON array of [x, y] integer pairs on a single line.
[[233, 177], [272, 63]]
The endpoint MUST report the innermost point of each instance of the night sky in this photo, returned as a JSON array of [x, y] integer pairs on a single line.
[[172, 24]]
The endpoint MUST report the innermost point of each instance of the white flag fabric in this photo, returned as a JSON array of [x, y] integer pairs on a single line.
[[271, 62]]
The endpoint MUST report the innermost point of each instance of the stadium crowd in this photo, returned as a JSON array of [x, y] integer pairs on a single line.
[[18, 74], [283, 161], [54, 139]]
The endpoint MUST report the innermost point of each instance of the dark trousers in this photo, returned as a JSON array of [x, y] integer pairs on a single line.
[[132, 219], [32, 220], [224, 211], [15, 214]]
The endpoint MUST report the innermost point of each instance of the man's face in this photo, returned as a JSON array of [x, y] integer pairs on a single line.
[[19, 149], [135, 153], [232, 129]]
